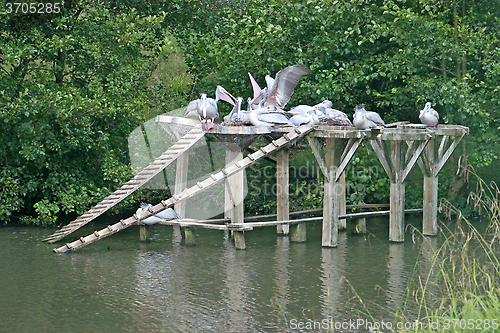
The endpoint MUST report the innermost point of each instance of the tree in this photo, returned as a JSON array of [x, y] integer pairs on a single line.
[[73, 85]]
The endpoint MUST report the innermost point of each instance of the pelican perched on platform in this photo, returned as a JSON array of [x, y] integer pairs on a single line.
[[279, 90], [306, 118], [366, 119], [333, 117], [204, 107], [284, 85], [165, 215], [429, 116], [235, 115], [268, 116]]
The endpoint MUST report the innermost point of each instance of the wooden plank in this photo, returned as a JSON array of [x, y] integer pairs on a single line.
[[377, 213]]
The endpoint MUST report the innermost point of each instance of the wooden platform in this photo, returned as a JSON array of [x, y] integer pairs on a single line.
[[398, 147]]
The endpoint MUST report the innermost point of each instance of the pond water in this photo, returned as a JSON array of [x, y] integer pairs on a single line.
[[120, 284]]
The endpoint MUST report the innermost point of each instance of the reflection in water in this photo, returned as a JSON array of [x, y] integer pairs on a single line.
[[272, 286], [333, 267]]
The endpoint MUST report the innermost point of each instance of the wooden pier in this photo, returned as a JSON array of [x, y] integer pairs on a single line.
[[398, 147]]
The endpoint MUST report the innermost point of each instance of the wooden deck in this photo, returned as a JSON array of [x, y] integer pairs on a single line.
[[398, 147]]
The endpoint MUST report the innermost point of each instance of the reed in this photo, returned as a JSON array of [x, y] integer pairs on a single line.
[[457, 288]]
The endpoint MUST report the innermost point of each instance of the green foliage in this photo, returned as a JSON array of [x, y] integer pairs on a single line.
[[73, 85]]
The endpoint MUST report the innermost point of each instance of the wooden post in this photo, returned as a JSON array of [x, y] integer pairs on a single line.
[[144, 233], [282, 190], [342, 202], [429, 223], [332, 194], [397, 187], [359, 226], [181, 173], [188, 236], [235, 194]]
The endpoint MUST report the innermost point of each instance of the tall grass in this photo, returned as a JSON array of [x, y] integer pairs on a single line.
[[457, 287]]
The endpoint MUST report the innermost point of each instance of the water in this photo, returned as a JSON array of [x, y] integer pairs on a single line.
[[119, 284]]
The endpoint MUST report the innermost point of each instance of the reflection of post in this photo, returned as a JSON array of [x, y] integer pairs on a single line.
[[331, 201], [235, 194], [236, 281], [395, 267], [181, 173], [281, 293], [331, 263], [282, 190]]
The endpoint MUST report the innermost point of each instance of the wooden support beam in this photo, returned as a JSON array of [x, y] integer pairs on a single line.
[[346, 157], [380, 152], [181, 174], [413, 159], [332, 192], [447, 154], [313, 143], [397, 194], [282, 189], [429, 218], [235, 194]]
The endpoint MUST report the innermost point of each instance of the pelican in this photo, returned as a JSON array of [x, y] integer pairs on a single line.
[[260, 95], [205, 107], [429, 116], [306, 118], [267, 116], [235, 114], [165, 215], [222, 94], [284, 85], [366, 119], [334, 117]]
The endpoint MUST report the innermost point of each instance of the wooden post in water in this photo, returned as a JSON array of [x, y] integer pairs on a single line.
[[282, 190], [235, 194], [397, 187], [181, 173], [429, 223], [144, 233], [342, 201], [332, 193], [359, 226]]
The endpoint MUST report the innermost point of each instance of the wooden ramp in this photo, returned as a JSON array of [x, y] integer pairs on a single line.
[[293, 135], [165, 159]]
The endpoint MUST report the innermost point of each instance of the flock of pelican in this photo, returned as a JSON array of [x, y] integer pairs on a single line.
[[266, 108]]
